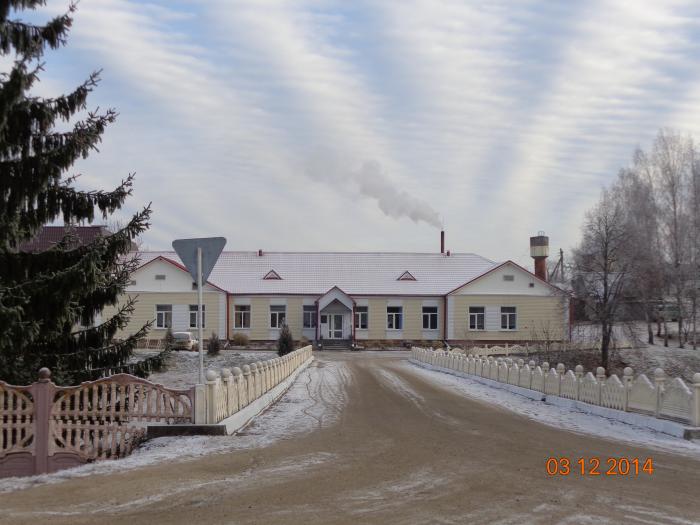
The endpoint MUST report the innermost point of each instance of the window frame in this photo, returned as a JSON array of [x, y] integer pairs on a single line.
[[204, 315], [431, 315], [476, 316], [244, 311], [278, 312], [361, 315], [393, 317], [308, 312], [168, 309], [514, 313]]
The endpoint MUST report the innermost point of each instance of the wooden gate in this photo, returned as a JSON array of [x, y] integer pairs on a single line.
[[45, 428]]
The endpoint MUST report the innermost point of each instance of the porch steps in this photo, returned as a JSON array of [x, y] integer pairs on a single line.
[[337, 344]]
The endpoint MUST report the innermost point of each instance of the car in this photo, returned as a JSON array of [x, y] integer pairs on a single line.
[[185, 341]]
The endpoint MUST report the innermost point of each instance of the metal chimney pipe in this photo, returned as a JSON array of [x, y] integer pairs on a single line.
[[442, 241]]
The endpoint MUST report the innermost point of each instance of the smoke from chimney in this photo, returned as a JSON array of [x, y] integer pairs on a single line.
[[371, 181]]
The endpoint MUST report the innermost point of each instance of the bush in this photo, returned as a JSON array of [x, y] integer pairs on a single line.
[[213, 345], [169, 339], [239, 339], [304, 342], [285, 344]]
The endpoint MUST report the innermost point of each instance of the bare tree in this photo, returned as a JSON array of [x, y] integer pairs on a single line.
[[646, 284], [601, 266], [671, 165]]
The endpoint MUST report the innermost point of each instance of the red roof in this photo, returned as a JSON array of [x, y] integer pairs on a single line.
[[49, 236]]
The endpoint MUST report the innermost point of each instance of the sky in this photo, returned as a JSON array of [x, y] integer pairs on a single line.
[[318, 125]]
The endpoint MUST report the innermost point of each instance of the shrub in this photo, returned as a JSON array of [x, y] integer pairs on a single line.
[[285, 344], [304, 342], [213, 345], [169, 339], [239, 339]]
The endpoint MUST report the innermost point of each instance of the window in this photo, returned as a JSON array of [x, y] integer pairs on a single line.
[[309, 316], [277, 315], [508, 318], [193, 316], [272, 275], [241, 316], [476, 317], [361, 317], [430, 318], [394, 317], [324, 319], [164, 316], [509, 277], [406, 276], [160, 277]]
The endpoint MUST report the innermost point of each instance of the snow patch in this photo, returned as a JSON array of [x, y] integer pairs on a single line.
[[315, 400], [558, 417]]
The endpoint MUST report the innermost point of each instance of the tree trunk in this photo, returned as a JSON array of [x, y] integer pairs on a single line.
[[605, 345], [665, 332], [650, 327], [658, 326]]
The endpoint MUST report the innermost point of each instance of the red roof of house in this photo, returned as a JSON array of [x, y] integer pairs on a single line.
[[49, 236]]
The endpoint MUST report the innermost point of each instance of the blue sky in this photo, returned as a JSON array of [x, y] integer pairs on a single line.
[[361, 126]]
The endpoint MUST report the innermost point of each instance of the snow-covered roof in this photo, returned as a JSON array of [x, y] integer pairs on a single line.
[[354, 273]]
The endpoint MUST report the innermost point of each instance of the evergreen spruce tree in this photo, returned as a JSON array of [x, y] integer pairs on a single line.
[[285, 343], [45, 296]]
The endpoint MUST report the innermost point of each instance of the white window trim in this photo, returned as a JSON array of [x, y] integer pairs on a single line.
[[361, 314], [469, 319], [394, 315], [270, 312], [304, 313], [163, 312], [239, 327], [196, 311], [430, 314], [500, 320]]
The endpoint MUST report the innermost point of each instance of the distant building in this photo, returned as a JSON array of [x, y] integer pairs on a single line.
[[49, 236], [335, 296]]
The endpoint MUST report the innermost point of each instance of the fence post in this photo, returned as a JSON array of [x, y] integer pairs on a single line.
[[579, 374], [227, 379], [627, 379], [212, 380], [531, 364], [659, 380], [42, 392], [600, 376], [561, 370], [695, 403], [200, 404]]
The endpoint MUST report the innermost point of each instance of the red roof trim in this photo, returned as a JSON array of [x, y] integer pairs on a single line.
[[178, 266], [501, 266], [335, 288]]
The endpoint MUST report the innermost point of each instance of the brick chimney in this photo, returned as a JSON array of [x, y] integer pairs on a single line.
[[539, 250], [442, 241]]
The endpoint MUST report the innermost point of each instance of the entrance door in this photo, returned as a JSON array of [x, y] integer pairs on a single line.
[[336, 326]]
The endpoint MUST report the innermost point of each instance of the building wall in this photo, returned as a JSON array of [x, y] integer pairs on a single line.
[[538, 317], [145, 311], [260, 316]]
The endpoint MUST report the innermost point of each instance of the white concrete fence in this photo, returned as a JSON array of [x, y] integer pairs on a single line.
[[526, 349], [663, 397], [230, 391]]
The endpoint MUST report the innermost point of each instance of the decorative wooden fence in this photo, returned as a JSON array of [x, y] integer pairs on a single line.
[[45, 428], [662, 398], [232, 390]]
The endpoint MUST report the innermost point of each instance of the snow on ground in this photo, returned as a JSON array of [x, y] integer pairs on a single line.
[[559, 417], [182, 367], [315, 400]]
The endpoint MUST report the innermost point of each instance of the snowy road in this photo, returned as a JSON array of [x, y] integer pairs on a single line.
[[368, 438]]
